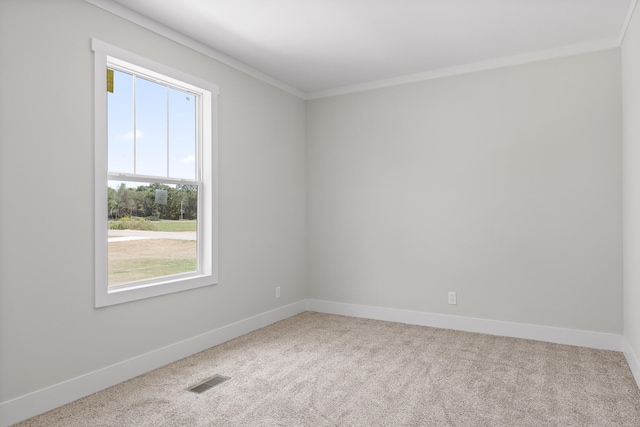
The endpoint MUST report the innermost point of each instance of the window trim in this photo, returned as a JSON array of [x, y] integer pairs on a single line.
[[105, 54]]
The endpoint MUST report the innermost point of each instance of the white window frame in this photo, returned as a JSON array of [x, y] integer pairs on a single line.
[[207, 230]]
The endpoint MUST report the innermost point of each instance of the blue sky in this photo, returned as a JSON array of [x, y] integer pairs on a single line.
[[161, 144]]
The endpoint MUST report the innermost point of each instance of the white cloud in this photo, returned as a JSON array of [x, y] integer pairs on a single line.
[[129, 135], [189, 159]]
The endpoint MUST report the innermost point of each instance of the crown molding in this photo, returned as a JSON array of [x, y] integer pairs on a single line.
[[470, 68], [156, 27], [508, 61]]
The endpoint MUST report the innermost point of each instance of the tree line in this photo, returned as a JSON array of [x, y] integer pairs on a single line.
[[181, 202]]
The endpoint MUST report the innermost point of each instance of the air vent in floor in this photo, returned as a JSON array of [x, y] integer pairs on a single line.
[[208, 384]]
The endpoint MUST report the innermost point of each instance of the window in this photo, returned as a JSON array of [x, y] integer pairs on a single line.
[[155, 178]]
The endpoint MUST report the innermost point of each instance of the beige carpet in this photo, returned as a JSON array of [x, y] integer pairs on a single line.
[[324, 370]]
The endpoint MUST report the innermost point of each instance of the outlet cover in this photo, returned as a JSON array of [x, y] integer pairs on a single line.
[[452, 298]]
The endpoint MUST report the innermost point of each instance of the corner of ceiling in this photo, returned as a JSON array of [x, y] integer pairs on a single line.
[[627, 20]]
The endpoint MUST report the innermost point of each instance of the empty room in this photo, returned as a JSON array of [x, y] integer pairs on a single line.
[[319, 213]]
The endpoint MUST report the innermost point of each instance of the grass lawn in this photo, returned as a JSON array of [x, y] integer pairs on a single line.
[[174, 225], [134, 260]]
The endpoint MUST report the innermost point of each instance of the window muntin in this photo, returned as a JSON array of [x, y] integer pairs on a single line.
[[168, 170]]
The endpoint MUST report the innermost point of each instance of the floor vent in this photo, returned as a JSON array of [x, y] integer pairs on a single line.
[[208, 384]]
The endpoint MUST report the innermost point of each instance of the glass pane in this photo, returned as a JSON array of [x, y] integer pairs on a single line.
[[152, 230], [120, 123], [151, 124], [182, 134]]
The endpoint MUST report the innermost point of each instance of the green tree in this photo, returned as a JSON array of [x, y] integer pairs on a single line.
[[182, 201], [112, 203], [126, 200]]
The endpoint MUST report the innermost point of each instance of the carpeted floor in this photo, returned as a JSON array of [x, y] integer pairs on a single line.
[[324, 370]]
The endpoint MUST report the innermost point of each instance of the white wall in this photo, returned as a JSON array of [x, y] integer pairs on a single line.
[[49, 330], [502, 185], [631, 186]]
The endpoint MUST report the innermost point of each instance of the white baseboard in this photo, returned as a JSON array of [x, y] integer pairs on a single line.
[[38, 402], [632, 360], [598, 340]]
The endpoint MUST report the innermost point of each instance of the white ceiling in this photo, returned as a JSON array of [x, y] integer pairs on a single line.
[[317, 46]]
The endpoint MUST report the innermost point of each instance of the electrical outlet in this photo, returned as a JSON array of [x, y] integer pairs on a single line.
[[452, 298], [277, 292]]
